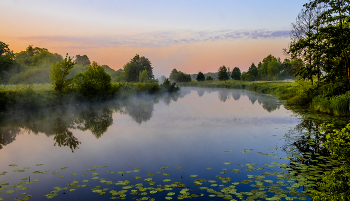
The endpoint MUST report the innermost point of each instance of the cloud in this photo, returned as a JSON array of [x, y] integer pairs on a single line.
[[158, 39]]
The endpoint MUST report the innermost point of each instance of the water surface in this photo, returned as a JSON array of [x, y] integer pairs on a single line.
[[174, 137]]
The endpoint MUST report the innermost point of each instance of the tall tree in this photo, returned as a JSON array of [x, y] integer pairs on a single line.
[[306, 42], [222, 73], [82, 60], [59, 71], [253, 70], [134, 67], [200, 76], [335, 33], [236, 74]]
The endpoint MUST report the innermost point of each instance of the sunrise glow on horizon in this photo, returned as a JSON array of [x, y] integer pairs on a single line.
[[190, 36]]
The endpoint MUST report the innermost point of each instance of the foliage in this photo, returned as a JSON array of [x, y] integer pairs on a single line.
[[94, 82], [6, 59], [223, 73], [200, 76], [170, 87], [253, 70], [247, 77], [321, 39], [59, 71], [134, 67], [178, 76], [236, 74], [143, 77], [82, 60], [209, 78], [335, 184]]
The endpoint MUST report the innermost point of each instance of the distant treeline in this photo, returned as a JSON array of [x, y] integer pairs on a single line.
[[269, 69]]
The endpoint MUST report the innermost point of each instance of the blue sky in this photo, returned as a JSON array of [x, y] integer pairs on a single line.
[[159, 29]]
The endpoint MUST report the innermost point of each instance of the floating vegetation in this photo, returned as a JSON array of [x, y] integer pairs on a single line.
[[295, 180]]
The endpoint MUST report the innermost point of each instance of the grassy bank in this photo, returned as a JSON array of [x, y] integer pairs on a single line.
[[332, 98], [43, 95]]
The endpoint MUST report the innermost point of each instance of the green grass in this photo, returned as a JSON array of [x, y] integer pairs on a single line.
[[331, 98], [43, 95]]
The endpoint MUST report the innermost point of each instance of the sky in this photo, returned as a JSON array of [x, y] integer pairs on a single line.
[[189, 35]]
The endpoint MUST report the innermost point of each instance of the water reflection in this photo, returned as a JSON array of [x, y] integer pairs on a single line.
[[94, 117], [267, 102], [98, 117]]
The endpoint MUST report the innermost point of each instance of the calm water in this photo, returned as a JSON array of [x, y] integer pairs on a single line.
[[155, 146]]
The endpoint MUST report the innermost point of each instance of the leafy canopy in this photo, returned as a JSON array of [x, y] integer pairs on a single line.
[[58, 74]]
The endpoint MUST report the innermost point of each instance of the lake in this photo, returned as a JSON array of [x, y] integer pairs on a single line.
[[203, 144]]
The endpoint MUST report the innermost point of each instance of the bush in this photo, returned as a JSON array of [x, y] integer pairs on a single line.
[[94, 82]]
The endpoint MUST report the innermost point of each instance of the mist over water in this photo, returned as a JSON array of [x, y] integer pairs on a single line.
[[192, 128]]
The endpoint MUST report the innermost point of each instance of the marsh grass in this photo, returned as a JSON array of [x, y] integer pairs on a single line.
[[23, 96], [331, 98]]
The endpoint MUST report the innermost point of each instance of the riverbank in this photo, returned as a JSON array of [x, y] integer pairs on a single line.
[[332, 98], [43, 95]]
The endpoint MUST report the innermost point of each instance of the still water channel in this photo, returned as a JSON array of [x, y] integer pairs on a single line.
[[202, 144]]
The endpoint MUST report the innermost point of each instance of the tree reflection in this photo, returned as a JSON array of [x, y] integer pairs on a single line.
[[200, 92], [7, 135], [140, 110], [63, 136], [223, 95], [97, 120], [236, 95]]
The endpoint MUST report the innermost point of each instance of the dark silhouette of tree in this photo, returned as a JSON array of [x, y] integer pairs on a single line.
[[236, 74], [82, 60], [200, 76], [223, 73]]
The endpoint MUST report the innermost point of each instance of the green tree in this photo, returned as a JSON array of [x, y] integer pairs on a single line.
[[222, 73], [253, 70], [143, 77], [236, 74], [273, 69], [200, 76], [59, 71], [6, 60], [94, 82], [82, 60], [209, 78], [134, 67]]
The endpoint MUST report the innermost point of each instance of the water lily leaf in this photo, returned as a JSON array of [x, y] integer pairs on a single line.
[[149, 175], [166, 180], [128, 171], [164, 167], [137, 177], [168, 198], [10, 191], [110, 172], [229, 151], [209, 168], [72, 189], [120, 172], [227, 163], [178, 167], [95, 174], [13, 165], [39, 164], [85, 180], [35, 180], [193, 175], [170, 194], [165, 174]]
